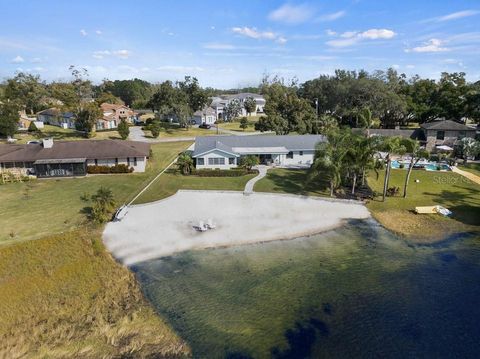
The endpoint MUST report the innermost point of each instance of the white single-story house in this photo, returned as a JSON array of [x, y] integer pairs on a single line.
[[207, 116], [225, 152], [53, 116], [71, 158]]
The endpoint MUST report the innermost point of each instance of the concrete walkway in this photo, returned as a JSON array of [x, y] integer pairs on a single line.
[[262, 172], [466, 174]]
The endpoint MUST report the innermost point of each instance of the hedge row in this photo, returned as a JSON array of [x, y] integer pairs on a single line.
[[109, 169], [223, 173]]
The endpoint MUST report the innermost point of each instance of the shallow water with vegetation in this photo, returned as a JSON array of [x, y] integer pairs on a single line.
[[357, 291]]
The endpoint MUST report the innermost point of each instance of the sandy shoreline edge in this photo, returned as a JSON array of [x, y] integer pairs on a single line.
[[164, 227]]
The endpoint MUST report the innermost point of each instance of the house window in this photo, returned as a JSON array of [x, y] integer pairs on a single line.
[[96, 162], [216, 161], [231, 161], [461, 134], [440, 135], [200, 161], [134, 161], [290, 154], [301, 153], [128, 161], [116, 161]]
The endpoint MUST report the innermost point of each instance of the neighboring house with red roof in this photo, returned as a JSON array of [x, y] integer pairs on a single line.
[[113, 114]]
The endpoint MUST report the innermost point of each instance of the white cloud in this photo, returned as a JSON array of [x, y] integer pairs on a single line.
[[432, 45], [410, 66], [212, 27], [333, 16], [98, 32], [253, 33], [291, 14], [330, 32], [18, 59], [36, 60], [395, 66], [218, 46], [83, 32], [349, 38], [458, 15], [374, 34], [123, 54]]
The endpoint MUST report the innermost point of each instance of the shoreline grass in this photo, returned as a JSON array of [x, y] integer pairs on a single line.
[[64, 296]]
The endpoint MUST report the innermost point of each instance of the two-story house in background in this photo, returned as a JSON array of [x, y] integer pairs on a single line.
[[443, 132], [113, 114]]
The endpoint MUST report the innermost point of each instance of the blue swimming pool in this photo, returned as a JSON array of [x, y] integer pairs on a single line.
[[429, 166]]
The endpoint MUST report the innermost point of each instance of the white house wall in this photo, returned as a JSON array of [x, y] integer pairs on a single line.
[[305, 159], [217, 154]]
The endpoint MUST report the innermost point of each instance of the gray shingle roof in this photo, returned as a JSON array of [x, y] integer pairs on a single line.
[[90, 149], [227, 143], [446, 125]]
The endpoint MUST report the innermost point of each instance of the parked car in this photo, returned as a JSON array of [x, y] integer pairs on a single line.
[[205, 125], [33, 142]]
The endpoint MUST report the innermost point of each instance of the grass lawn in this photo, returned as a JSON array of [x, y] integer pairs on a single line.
[[171, 182], [175, 131], [471, 167], [292, 181], [64, 134], [65, 297], [448, 189], [62, 295], [43, 207]]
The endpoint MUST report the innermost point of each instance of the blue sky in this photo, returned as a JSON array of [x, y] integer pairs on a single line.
[[229, 44]]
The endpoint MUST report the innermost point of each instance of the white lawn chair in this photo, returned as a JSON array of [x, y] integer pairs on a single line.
[[210, 224], [201, 227]]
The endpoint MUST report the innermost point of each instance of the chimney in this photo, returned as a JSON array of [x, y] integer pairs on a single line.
[[47, 142]]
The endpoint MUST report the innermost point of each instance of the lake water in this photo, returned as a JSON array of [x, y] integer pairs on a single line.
[[356, 292]]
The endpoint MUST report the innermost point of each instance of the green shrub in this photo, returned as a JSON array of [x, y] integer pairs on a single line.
[[123, 129], [223, 173], [121, 168]]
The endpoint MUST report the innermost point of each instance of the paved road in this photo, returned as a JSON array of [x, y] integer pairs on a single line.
[[262, 172]]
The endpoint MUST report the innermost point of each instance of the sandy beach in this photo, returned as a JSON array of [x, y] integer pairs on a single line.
[[165, 227]]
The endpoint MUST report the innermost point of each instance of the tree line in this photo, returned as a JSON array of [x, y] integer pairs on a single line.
[[310, 107]]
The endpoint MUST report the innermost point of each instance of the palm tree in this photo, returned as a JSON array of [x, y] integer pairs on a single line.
[[103, 204], [366, 119], [390, 145], [416, 153], [330, 159], [185, 163]]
